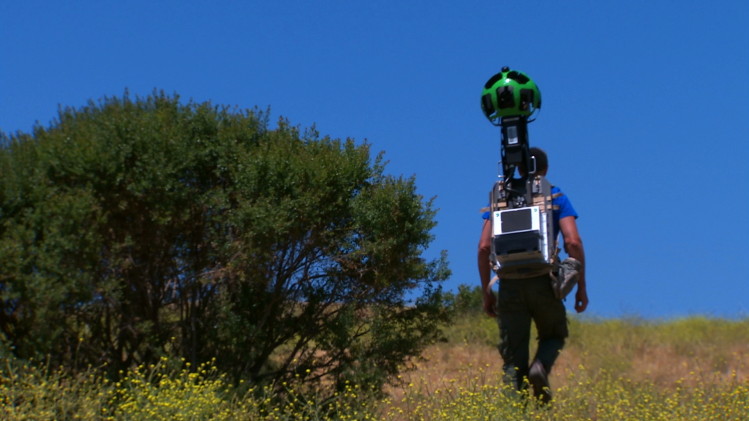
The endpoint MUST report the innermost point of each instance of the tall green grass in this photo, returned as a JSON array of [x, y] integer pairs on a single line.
[[628, 369]]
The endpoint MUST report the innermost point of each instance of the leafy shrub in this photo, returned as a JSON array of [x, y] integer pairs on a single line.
[[139, 228]]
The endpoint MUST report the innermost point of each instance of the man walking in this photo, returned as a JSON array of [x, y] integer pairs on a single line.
[[521, 301]]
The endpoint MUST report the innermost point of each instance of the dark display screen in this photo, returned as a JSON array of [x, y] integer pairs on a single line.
[[517, 220]]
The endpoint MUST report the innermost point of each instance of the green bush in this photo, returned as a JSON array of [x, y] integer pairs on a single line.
[[133, 229]]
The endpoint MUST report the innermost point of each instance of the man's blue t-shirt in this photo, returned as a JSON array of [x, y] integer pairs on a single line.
[[562, 208]]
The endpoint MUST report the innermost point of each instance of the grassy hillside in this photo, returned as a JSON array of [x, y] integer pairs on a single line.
[[687, 369], [642, 350]]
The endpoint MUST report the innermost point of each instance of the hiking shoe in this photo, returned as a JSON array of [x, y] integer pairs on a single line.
[[540, 382]]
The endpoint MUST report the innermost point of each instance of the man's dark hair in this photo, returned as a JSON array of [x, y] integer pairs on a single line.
[[542, 161]]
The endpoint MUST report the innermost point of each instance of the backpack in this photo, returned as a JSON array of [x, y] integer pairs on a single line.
[[522, 243]]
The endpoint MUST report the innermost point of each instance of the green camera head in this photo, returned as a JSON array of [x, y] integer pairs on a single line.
[[509, 93]]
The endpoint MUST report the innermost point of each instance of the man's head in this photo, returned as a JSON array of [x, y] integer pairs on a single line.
[[542, 161]]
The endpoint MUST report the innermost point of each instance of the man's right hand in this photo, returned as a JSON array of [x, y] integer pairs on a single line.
[[489, 303], [581, 300]]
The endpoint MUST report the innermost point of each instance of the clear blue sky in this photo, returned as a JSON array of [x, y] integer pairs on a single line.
[[645, 110]]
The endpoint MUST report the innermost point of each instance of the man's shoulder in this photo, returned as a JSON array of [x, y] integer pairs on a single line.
[[562, 203], [556, 191]]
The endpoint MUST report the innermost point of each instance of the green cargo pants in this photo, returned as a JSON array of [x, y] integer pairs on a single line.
[[521, 301]]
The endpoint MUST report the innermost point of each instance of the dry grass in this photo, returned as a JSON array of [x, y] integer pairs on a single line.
[[658, 351], [618, 370], [679, 361], [662, 365]]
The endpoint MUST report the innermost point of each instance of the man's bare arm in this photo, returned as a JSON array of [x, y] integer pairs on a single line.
[[573, 245], [485, 268]]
